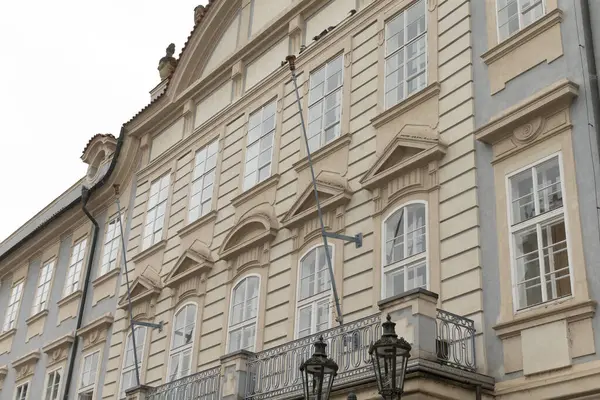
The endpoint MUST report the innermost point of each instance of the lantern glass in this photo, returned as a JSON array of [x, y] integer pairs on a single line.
[[318, 374], [390, 356]]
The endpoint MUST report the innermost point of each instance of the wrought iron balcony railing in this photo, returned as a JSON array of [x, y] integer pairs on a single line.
[[204, 385], [274, 373], [455, 340]]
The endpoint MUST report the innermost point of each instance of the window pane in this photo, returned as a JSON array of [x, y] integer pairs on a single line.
[[549, 185], [304, 322], [528, 268], [322, 316], [523, 206], [235, 340], [248, 337], [556, 259], [394, 282]]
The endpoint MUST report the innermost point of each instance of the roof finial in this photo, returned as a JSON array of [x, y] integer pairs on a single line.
[[198, 14], [167, 64]]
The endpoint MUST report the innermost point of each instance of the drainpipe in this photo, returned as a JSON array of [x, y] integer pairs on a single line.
[[85, 195]]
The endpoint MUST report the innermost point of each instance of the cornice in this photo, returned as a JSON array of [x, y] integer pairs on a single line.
[[30, 358], [150, 290], [104, 321], [524, 35], [61, 342], [559, 94]]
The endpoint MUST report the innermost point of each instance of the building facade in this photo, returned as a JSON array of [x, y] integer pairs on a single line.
[[458, 138]]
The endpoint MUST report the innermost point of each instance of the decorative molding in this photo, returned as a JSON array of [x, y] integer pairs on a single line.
[[95, 332], [558, 95], [189, 274], [155, 248], [324, 152], [203, 220], [381, 37], [25, 366], [348, 59], [76, 295], [569, 310], [3, 373], [256, 190], [106, 277], [237, 242], [35, 317], [529, 131], [145, 293], [432, 4], [431, 91], [524, 35], [58, 350]]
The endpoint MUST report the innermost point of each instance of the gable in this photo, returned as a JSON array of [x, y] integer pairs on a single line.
[[264, 11], [404, 153], [225, 46]]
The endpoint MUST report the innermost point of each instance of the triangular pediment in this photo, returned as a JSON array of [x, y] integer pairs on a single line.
[[213, 39], [332, 193], [194, 261], [405, 152], [141, 288]]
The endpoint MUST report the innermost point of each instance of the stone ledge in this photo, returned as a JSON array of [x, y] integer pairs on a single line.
[[524, 35], [107, 276], [191, 227], [569, 310], [155, 248], [325, 151], [255, 190], [406, 296], [66, 300], [407, 104], [9, 333], [36, 316]]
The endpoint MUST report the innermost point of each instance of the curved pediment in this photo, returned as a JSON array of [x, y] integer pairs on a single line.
[[214, 38], [251, 231]]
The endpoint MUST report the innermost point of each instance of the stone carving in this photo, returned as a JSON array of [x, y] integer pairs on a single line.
[[167, 64], [348, 59], [198, 14], [528, 131], [381, 37], [96, 331]]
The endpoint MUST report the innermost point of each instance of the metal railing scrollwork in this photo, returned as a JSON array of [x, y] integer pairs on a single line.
[[204, 385], [455, 342]]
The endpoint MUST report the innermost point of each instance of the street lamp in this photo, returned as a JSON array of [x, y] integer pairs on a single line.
[[318, 373], [390, 356]]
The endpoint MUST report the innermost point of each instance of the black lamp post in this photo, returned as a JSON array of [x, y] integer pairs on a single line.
[[390, 357], [318, 373]]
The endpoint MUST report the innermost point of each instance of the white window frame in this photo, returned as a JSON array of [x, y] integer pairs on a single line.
[[181, 350], [14, 304], [44, 284], [248, 323], [414, 259], [403, 49], [111, 246], [519, 16], [150, 229], [75, 267], [317, 299], [539, 219], [200, 180], [322, 136], [93, 373], [140, 358], [47, 382], [18, 395], [258, 142]]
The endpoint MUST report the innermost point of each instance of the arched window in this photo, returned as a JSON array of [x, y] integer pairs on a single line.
[[128, 379], [243, 314], [182, 342], [313, 311], [405, 250]]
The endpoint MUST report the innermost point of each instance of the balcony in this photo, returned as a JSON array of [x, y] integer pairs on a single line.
[[274, 373]]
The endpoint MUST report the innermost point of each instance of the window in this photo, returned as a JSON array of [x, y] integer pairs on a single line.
[[111, 245], [128, 379], [157, 207], [314, 311], [259, 150], [75, 264], [405, 54], [405, 246], [13, 307], [182, 342], [514, 15], [88, 373], [325, 104], [541, 260], [205, 164], [40, 302], [244, 307], [22, 392], [53, 385]]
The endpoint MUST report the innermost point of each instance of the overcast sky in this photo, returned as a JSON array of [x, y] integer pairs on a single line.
[[70, 69]]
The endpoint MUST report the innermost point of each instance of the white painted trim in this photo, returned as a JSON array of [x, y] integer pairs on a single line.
[[123, 356], [519, 16], [60, 384], [243, 324], [182, 349]]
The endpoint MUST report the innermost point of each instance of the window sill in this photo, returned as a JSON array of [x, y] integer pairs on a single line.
[[8, 334], [523, 36], [36, 317], [76, 295], [155, 248], [203, 220], [255, 190], [323, 152], [433, 90], [568, 309], [106, 277]]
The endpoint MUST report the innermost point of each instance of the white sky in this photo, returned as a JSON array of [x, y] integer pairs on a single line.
[[70, 69]]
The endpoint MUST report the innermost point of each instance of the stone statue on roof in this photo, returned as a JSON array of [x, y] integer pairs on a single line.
[[167, 64]]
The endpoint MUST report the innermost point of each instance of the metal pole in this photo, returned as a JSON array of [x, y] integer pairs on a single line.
[[135, 358], [292, 63]]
